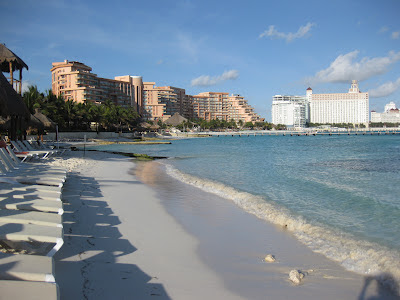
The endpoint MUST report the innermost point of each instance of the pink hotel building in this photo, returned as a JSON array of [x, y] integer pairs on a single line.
[[74, 81]]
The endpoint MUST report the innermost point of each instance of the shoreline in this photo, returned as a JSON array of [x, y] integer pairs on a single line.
[[180, 260], [237, 242]]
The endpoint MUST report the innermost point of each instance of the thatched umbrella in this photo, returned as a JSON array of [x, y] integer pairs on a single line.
[[35, 123], [175, 120], [13, 106], [5, 123], [154, 127], [9, 62], [144, 125], [46, 121]]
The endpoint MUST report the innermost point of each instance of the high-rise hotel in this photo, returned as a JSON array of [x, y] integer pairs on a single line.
[[74, 81], [292, 111], [335, 108], [391, 114], [351, 107]]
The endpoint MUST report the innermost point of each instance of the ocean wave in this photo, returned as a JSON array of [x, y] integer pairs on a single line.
[[364, 257]]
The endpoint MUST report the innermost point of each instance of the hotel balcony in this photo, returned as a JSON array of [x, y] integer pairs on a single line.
[[87, 78]]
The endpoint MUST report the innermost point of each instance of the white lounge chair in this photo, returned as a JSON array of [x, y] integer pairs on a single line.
[[36, 239], [20, 148], [27, 177], [22, 155], [29, 147], [32, 205], [43, 146], [13, 179], [17, 163], [32, 290], [17, 186], [6, 191], [26, 267], [37, 145], [22, 168], [30, 217]]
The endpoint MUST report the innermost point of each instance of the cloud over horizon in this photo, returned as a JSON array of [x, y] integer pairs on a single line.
[[385, 89], [290, 36], [345, 67], [395, 35], [207, 80], [383, 29]]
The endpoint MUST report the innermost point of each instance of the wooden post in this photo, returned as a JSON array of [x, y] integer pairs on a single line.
[[11, 74], [20, 81]]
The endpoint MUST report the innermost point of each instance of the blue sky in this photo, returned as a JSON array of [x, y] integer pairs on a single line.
[[255, 48]]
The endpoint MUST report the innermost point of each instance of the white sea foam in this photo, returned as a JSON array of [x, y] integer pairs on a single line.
[[356, 255]]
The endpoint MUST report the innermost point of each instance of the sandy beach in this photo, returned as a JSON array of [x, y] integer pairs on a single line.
[[125, 239]]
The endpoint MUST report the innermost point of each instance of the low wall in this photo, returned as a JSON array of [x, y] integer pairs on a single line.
[[81, 135]]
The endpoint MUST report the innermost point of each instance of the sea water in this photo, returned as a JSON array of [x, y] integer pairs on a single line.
[[339, 195]]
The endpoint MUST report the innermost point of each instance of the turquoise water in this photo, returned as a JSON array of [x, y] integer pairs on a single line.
[[339, 195]]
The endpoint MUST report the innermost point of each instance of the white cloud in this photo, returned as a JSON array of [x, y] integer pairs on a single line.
[[290, 36], [383, 29], [395, 35], [385, 89], [344, 68], [25, 86], [206, 80]]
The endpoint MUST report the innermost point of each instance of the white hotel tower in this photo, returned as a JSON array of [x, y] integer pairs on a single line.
[[292, 111], [351, 107]]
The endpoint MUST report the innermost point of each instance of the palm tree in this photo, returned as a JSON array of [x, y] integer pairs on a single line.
[[96, 112], [109, 113], [54, 107], [33, 98], [81, 116], [132, 118], [232, 124], [69, 112]]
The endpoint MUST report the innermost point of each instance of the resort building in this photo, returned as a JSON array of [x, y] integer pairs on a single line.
[[351, 107], [292, 111], [210, 106], [75, 81], [390, 115], [161, 102], [239, 109], [222, 106]]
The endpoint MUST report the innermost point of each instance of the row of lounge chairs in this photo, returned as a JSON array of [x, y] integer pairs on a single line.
[[31, 229], [27, 150]]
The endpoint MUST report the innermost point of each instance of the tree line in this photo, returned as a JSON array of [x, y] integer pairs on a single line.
[[218, 124], [72, 116]]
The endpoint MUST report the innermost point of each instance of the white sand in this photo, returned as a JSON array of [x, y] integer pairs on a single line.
[[120, 243]]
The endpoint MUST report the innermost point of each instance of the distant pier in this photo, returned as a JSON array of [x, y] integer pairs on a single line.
[[359, 131]]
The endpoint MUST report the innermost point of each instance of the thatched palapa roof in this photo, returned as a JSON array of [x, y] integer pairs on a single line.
[[144, 125], [11, 103], [5, 123], [34, 122], [175, 120], [154, 127], [46, 121], [7, 56]]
